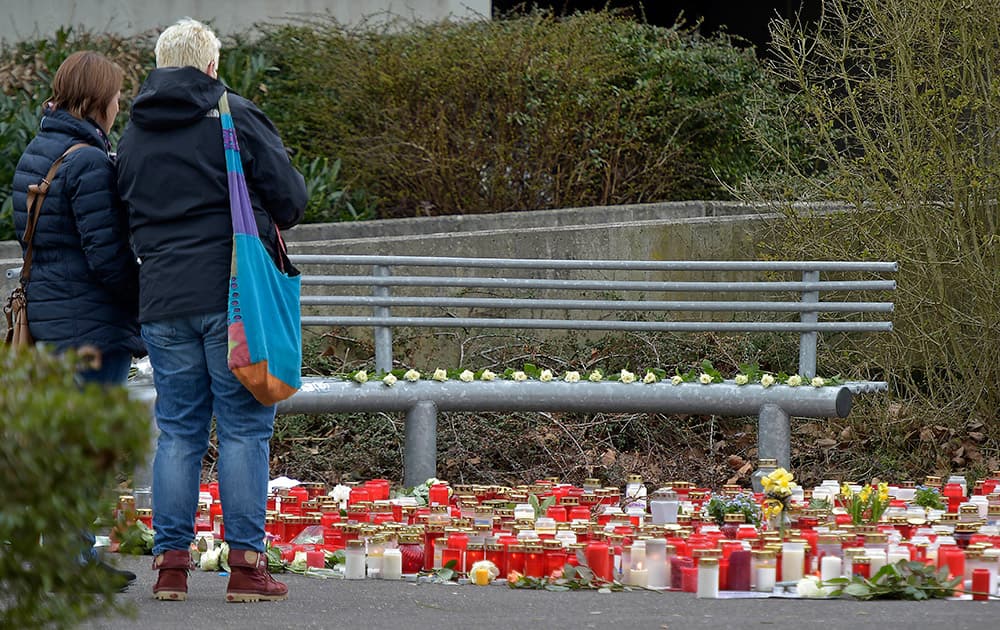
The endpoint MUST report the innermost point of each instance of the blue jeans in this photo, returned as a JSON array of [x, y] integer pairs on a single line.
[[114, 369], [193, 381]]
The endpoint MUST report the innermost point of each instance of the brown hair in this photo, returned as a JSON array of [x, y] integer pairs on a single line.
[[85, 83]]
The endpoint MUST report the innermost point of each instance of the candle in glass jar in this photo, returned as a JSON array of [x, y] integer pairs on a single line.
[[599, 559], [830, 568], [392, 564], [876, 560], [739, 570], [354, 560], [981, 585], [534, 561], [764, 571], [793, 557], [656, 564], [708, 578]]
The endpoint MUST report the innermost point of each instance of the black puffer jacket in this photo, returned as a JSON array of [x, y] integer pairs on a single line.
[[84, 279], [172, 177]]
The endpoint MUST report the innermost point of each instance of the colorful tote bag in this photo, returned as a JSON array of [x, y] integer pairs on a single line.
[[265, 334]]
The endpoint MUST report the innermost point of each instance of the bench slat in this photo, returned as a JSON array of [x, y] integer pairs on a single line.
[[597, 285], [636, 265], [613, 305], [594, 324]]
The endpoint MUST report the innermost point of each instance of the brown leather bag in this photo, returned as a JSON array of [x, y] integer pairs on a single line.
[[16, 309]]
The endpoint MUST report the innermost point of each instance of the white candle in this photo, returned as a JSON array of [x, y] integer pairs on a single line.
[[793, 559], [656, 563], [639, 577], [638, 557], [708, 579], [830, 567], [876, 560], [354, 560], [764, 579], [392, 564]]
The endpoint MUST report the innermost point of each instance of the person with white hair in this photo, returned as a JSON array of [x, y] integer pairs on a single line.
[[172, 176]]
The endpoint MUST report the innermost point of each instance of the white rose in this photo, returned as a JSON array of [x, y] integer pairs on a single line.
[[466, 376], [389, 380], [412, 375], [341, 494], [676, 379], [627, 377], [572, 377], [794, 380], [705, 378], [595, 376], [742, 379], [361, 376], [545, 376], [649, 378], [809, 587], [440, 374], [818, 381], [767, 380], [487, 376], [519, 376]]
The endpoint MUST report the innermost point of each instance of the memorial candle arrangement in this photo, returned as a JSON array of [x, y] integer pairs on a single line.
[[663, 539]]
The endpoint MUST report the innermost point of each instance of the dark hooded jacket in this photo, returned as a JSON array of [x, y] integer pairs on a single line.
[[172, 177], [83, 288]]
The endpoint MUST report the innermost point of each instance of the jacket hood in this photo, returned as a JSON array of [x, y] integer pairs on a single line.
[[62, 122], [175, 97]]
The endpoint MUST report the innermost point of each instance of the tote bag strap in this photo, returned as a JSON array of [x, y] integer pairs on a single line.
[[36, 195], [239, 198]]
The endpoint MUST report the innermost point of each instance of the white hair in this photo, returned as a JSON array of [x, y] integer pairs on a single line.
[[187, 43]]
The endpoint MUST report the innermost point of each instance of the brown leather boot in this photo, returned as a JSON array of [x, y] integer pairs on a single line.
[[171, 582], [249, 580]]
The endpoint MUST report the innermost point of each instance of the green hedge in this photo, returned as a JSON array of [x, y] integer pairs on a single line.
[[520, 113], [61, 451], [517, 114]]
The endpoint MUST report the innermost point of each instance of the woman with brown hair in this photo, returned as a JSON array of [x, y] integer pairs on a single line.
[[83, 288], [83, 284]]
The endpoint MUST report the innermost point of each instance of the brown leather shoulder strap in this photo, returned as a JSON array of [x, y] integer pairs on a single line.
[[36, 195]]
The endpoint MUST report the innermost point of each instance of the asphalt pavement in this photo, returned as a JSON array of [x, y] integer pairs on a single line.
[[374, 604]]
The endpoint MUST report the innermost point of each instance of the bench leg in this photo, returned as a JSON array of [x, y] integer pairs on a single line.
[[420, 454], [774, 435]]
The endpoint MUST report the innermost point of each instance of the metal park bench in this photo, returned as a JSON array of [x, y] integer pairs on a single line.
[[392, 292]]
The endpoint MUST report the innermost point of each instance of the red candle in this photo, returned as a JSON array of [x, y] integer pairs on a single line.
[[599, 560], [515, 558], [359, 494], [534, 561], [431, 533], [453, 556], [579, 513], [739, 570], [495, 554], [315, 559], [437, 494], [981, 584], [689, 579], [555, 559], [677, 566], [955, 560], [378, 489], [557, 513]]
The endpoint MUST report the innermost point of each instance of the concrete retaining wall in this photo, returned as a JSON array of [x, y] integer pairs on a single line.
[[658, 231], [30, 19]]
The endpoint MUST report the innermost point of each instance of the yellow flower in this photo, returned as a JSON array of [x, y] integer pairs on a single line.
[[846, 490], [865, 493]]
